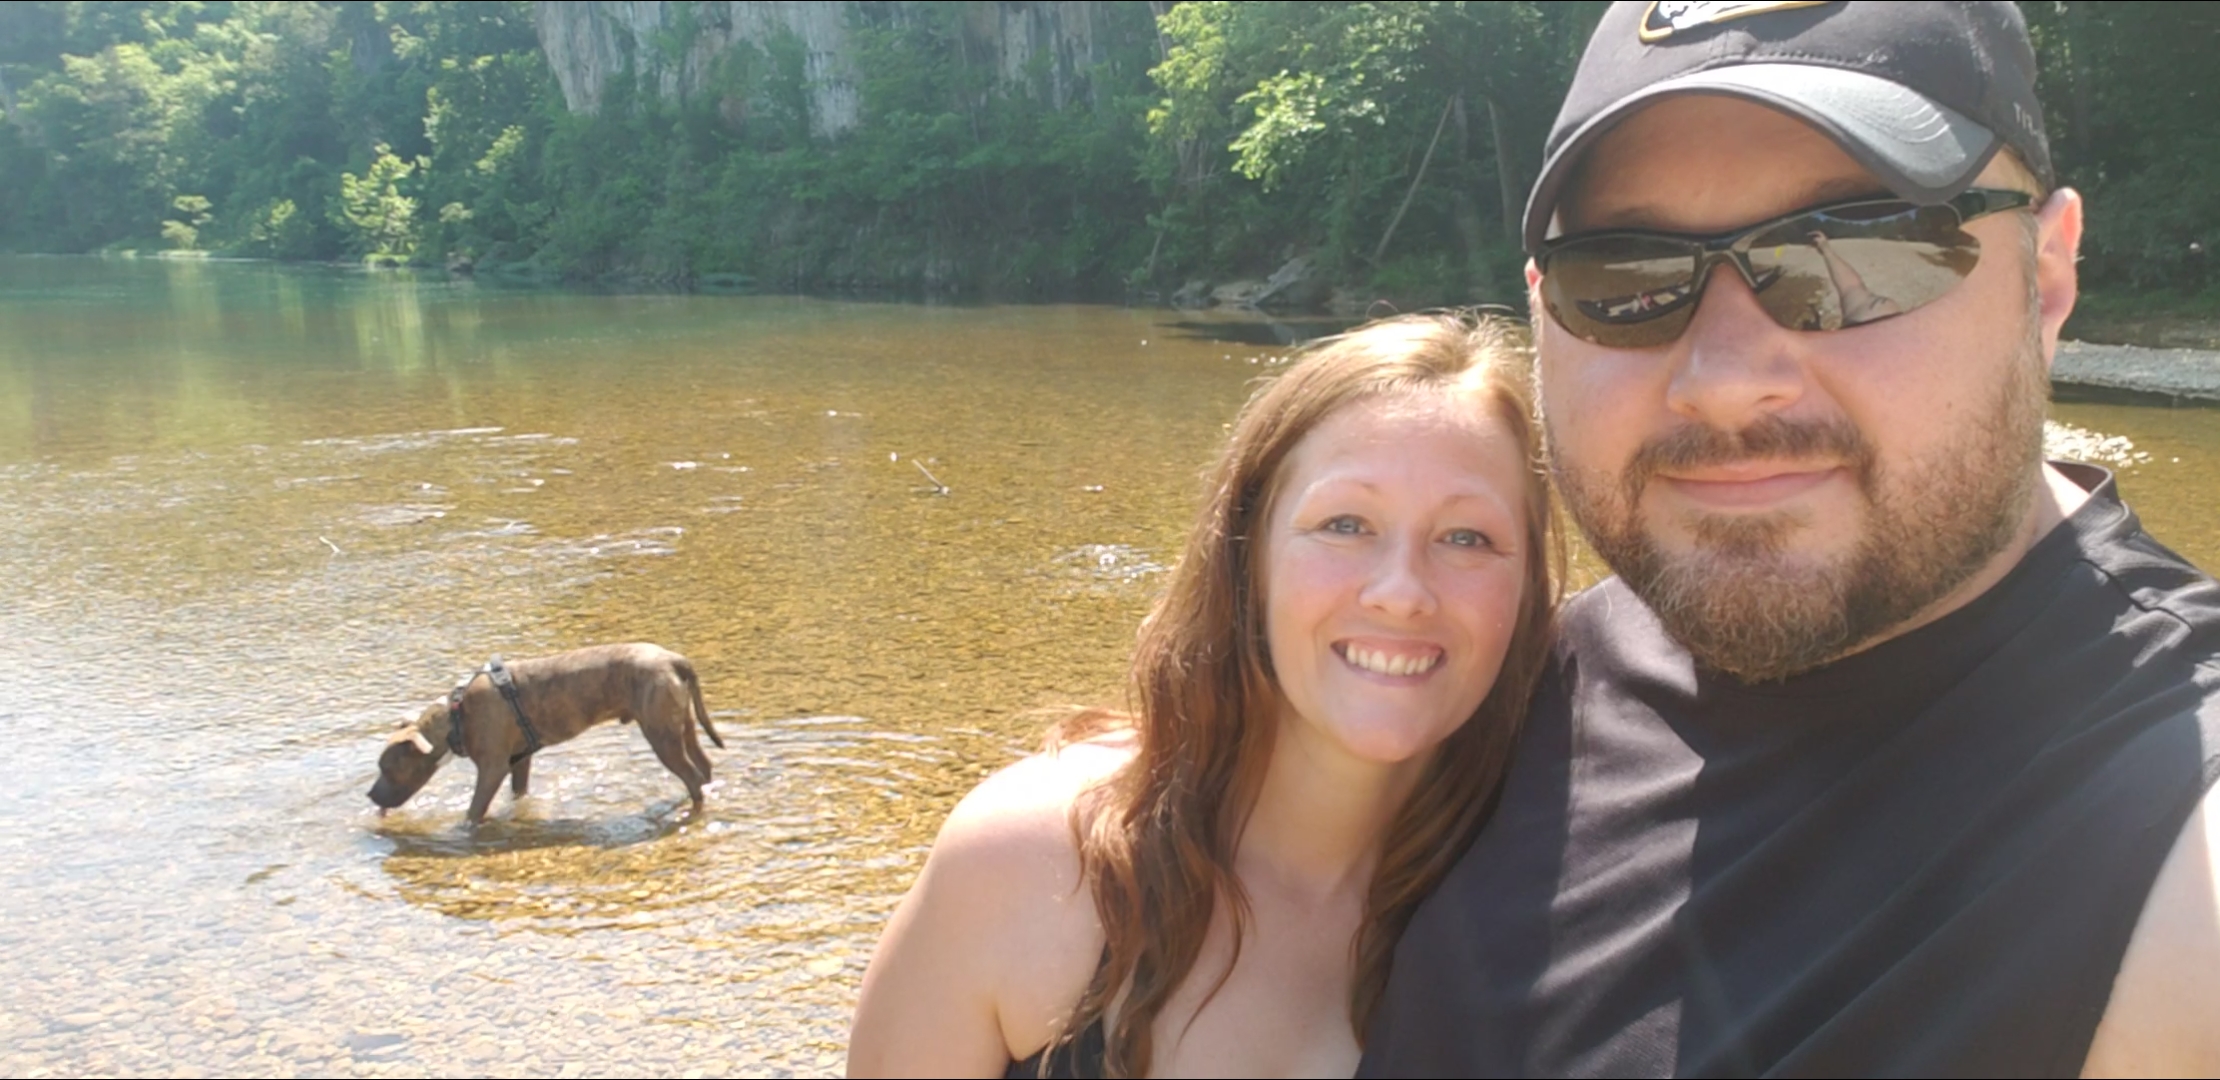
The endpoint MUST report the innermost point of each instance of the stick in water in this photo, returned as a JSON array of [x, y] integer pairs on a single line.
[[942, 488], [334, 547]]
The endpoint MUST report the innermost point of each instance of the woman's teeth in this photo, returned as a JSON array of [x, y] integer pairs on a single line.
[[1391, 664]]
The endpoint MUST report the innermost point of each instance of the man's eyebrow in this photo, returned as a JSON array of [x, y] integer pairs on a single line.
[[1656, 213]]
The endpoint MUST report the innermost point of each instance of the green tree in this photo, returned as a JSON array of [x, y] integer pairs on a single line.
[[183, 232], [124, 127], [2129, 101], [379, 220], [1394, 131]]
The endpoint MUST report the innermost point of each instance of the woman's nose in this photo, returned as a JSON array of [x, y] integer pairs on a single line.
[[1401, 584]]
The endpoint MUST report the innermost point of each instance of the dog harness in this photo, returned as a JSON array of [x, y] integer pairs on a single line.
[[498, 672]]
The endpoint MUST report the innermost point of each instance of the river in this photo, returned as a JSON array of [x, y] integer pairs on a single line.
[[255, 516]]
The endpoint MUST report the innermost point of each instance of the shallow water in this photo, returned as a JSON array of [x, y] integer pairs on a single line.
[[255, 516]]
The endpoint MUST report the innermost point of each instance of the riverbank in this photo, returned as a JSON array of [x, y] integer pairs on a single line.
[[2180, 373], [2169, 354]]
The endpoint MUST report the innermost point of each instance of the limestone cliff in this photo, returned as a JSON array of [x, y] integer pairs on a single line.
[[1062, 37], [674, 47]]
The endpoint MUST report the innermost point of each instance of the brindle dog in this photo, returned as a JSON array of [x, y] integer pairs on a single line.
[[561, 695]]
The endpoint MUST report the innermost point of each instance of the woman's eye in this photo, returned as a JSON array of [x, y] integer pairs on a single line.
[[1472, 538], [1344, 524]]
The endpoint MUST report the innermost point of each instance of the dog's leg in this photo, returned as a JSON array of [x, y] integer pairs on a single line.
[[689, 741], [520, 777], [667, 697], [664, 735], [489, 785], [694, 753]]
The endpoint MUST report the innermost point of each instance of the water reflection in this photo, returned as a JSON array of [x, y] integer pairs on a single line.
[[257, 516]]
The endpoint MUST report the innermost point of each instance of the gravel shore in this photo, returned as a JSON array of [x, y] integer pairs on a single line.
[[2190, 373]]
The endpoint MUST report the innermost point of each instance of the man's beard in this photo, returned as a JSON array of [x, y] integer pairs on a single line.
[[1741, 602]]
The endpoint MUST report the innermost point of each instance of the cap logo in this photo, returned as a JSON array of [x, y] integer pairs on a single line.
[[1668, 17]]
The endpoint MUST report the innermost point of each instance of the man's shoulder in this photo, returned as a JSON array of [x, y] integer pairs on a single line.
[[2150, 577], [2168, 705], [2122, 654], [2138, 592]]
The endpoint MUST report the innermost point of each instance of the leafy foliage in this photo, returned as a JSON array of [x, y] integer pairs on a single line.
[[1390, 141], [1361, 124], [2129, 103], [380, 222]]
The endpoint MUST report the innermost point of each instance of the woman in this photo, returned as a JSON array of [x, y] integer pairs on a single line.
[[1325, 699]]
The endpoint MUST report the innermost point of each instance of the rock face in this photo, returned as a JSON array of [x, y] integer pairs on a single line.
[[674, 46], [1295, 286], [1064, 34]]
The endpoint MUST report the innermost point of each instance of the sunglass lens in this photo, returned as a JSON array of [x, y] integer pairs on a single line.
[[1622, 291], [1826, 271]]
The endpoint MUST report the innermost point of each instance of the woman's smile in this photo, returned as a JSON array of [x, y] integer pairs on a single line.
[[1403, 660]]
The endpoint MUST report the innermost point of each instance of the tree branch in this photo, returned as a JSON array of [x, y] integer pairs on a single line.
[[1381, 248]]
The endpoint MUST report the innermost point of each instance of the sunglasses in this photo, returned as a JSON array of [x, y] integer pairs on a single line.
[[1821, 268]]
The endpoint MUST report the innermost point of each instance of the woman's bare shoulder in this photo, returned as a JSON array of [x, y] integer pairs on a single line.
[[997, 939], [1022, 813]]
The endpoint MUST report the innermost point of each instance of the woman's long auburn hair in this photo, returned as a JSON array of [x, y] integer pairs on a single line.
[[1157, 838]]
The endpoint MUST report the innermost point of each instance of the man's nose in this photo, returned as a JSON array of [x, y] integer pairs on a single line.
[[1734, 365], [1402, 579]]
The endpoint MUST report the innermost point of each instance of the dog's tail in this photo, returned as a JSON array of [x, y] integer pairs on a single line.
[[685, 670]]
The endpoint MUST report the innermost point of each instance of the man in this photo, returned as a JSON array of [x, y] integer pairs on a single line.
[[1891, 748]]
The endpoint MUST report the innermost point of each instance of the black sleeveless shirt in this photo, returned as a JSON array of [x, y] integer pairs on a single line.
[[1925, 859]]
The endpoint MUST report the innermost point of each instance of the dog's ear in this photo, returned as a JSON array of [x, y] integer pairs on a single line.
[[411, 734]]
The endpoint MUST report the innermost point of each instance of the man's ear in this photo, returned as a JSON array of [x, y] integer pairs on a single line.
[[1533, 276], [2057, 252]]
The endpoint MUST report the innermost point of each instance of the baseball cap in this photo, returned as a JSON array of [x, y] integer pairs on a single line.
[[1921, 94]]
